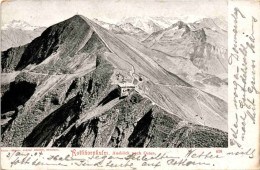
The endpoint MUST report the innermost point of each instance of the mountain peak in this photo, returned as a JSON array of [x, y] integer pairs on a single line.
[[127, 24], [67, 38], [76, 17], [213, 23], [181, 25], [129, 27], [147, 24]]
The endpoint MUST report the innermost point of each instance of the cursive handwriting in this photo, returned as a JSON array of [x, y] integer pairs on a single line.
[[235, 15], [192, 157], [131, 161], [242, 58]]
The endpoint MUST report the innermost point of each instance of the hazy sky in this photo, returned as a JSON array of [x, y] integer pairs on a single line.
[[48, 12]]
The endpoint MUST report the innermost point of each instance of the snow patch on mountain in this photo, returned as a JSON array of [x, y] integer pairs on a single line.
[[18, 24], [153, 24], [147, 24]]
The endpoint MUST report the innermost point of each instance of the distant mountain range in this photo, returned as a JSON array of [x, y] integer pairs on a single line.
[[153, 24], [125, 28], [72, 72], [203, 42], [17, 24], [18, 33]]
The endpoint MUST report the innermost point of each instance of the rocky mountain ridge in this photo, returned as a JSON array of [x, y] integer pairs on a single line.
[[71, 72]]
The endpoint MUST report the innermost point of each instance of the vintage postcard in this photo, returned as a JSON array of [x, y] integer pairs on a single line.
[[127, 84]]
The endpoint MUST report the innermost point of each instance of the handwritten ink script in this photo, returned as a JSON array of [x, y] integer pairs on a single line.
[[131, 160], [242, 60]]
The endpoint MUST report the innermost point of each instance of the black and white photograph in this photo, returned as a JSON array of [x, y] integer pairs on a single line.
[[114, 74]]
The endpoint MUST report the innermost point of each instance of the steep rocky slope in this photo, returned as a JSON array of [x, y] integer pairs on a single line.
[[196, 52], [70, 74], [184, 68]]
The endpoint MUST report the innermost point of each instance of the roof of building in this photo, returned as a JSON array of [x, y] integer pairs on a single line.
[[126, 85]]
